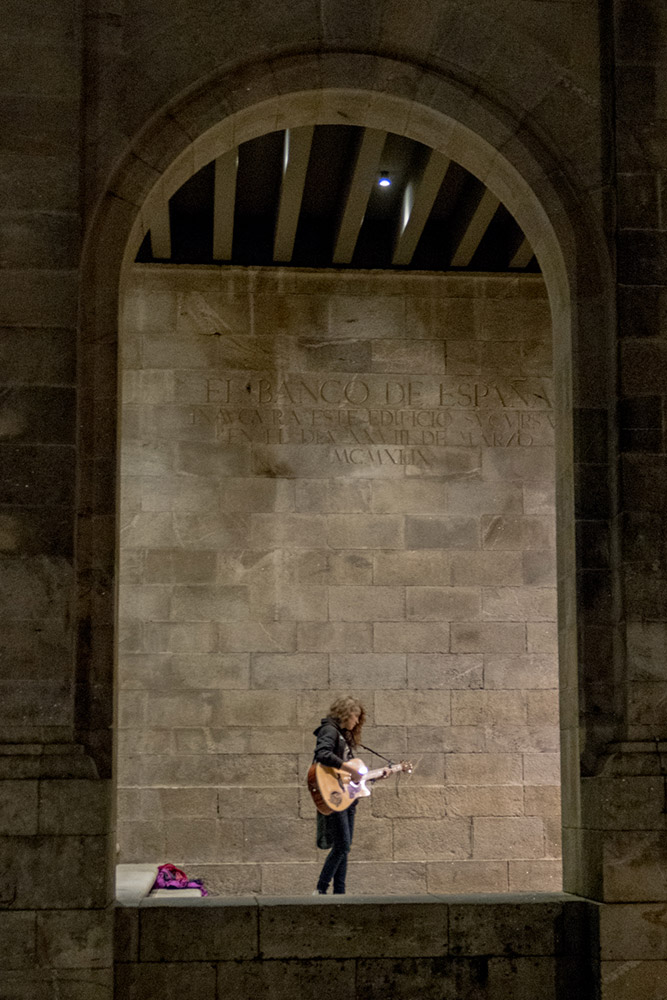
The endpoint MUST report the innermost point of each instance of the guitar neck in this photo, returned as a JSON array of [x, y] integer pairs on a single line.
[[372, 775]]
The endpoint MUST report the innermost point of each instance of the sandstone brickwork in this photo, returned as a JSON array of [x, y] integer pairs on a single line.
[[338, 484]]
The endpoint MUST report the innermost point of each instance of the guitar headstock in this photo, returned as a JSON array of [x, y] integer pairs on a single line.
[[407, 766]]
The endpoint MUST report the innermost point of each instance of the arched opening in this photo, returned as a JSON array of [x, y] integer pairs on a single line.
[[456, 141]]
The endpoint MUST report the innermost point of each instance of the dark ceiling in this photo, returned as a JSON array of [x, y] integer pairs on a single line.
[[310, 197]]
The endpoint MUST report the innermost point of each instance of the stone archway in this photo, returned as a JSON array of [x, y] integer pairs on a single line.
[[450, 121]]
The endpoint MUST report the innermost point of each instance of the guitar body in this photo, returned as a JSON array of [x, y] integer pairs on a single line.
[[334, 791]]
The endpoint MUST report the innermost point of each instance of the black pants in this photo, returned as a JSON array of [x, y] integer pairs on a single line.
[[341, 828]]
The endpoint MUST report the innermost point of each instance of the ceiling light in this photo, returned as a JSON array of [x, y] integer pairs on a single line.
[[384, 180]]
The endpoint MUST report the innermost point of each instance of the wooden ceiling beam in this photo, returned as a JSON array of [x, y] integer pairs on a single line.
[[296, 153], [523, 256], [224, 196], [364, 175], [160, 229], [418, 199], [478, 225]]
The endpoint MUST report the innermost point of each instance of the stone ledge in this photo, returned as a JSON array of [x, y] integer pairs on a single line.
[[255, 928]]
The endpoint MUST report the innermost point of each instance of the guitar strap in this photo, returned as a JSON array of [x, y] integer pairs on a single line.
[[380, 755]]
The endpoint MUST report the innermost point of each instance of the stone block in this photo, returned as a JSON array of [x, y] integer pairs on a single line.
[[539, 499], [486, 498], [46, 872], [18, 808], [372, 839], [517, 533], [541, 637], [434, 532], [446, 671], [399, 800], [542, 800], [269, 637], [235, 803], [371, 670], [178, 566], [412, 637], [524, 739], [364, 317], [447, 739], [292, 671], [484, 769], [542, 708], [74, 807], [365, 531], [519, 603], [180, 637], [18, 935], [312, 979], [541, 768], [342, 568], [488, 708], [257, 708], [432, 839], [488, 637], [459, 978], [389, 878], [169, 494], [278, 839], [490, 568], [70, 939], [157, 980], [505, 929], [190, 840], [144, 603], [518, 464], [645, 876], [645, 979], [290, 530], [536, 876], [335, 637], [327, 496], [76, 984], [525, 671], [332, 929], [412, 568], [244, 496], [508, 837], [481, 800], [455, 877], [201, 933], [366, 604], [634, 931], [126, 933], [442, 603], [408, 356], [409, 708], [409, 497]]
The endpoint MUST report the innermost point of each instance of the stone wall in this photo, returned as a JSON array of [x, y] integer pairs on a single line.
[[512, 949], [336, 483]]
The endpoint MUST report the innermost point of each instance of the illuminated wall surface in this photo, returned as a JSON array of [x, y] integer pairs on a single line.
[[330, 484]]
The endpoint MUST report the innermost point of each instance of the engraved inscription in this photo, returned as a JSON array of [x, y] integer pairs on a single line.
[[376, 420]]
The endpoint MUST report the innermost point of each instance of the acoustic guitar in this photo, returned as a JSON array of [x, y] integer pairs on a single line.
[[334, 790]]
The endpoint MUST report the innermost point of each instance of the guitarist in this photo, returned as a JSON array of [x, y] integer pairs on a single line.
[[337, 736]]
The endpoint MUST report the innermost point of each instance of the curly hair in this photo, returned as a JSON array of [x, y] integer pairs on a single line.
[[341, 710]]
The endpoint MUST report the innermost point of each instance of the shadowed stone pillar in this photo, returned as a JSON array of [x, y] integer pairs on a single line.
[[624, 803], [54, 810]]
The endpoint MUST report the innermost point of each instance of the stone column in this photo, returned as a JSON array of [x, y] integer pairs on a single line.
[[624, 803], [54, 921]]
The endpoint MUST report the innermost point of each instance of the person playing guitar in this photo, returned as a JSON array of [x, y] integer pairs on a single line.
[[337, 736]]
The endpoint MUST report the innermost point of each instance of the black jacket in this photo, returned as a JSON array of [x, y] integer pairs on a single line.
[[332, 747]]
